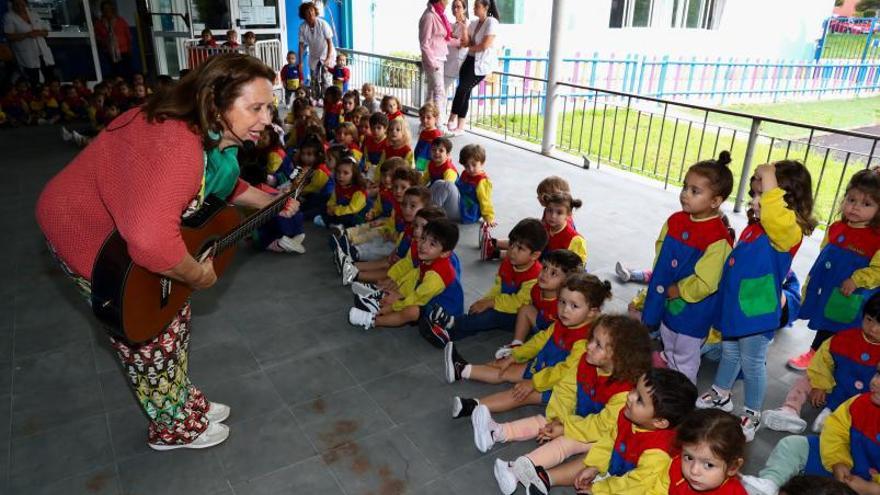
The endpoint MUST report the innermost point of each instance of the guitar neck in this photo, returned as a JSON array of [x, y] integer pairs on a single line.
[[264, 215]]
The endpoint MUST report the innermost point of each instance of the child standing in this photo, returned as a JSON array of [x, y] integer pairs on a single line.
[[691, 250], [428, 115], [712, 450], [438, 285], [291, 77], [591, 392], [347, 205], [847, 271], [538, 365], [341, 73], [512, 290], [534, 317], [750, 289], [398, 141], [841, 368]]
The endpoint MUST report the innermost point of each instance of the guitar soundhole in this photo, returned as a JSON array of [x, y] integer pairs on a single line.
[[165, 285]]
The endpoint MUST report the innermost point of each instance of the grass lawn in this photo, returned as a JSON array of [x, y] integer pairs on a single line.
[[848, 46], [646, 143]]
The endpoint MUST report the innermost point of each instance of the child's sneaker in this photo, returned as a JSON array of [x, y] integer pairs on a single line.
[[819, 422], [292, 244], [349, 272], [714, 400], [507, 349], [365, 289], [488, 250], [66, 135], [361, 318], [435, 334], [802, 362], [623, 273], [453, 363], [217, 412], [486, 430], [507, 482], [783, 419], [463, 407], [530, 475], [482, 234], [750, 422], [215, 434], [319, 221], [758, 486], [337, 230], [368, 303]]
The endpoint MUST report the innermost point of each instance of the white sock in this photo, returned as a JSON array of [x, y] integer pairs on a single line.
[[516, 342], [466, 372]]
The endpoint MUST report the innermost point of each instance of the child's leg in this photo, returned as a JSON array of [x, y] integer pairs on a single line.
[[399, 318], [372, 276], [523, 429], [489, 374], [682, 352], [786, 460], [525, 320], [370, 266], [374, 250], [504, 401], [556, 451], [753, 356], [468, 325], [821, 336], [564, 474], [798, 394], [729, 367], [445, 195]]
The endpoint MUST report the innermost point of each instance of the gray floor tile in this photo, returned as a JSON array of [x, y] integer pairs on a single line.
[[99, 481], [309, 476], [440, 486], [116, 393], [176, 472], [220, 361], [41, 337], [248, 395], [335, 419], [300, 339], [128, 430], [54, 370], [30, 415], [261, 445], [383, 463], [306, 379], [391, 350], [61, 452], [5, 420], [105, 356]]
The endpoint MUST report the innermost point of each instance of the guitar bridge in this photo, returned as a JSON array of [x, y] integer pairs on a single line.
[[165, 291]]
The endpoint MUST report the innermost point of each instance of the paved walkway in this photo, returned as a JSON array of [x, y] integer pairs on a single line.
[[318, 406]]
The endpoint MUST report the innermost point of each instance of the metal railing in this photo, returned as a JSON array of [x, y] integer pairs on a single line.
[[269, 51], [854, 38], [662, 138], [394, 76]]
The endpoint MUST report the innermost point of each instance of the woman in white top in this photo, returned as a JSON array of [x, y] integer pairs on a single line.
[[27, 35], [456, 54], [480, 61], [316, 34]]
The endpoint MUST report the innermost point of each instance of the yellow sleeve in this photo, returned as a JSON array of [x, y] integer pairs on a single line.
[[834, 439], [389, 226], [496, 288], [779, 221], [652, 464], [316, 183], [564, 398], [431, 285], [510, 303], [658, 244], [484, 198], [599, 455], [533, 346], [331, 203], [821, 369], [579, 247], [401, 268], [868, 277], [358, 202], [426, 177], [592, 427], [549, 376], [714, 336], [273, 163], [376, 210], [450, 176], [661, 486], [410, 159], [65, 109], [638, 301], [707, 273]]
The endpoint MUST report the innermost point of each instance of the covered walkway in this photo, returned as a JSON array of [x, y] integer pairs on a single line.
[[318, 406]]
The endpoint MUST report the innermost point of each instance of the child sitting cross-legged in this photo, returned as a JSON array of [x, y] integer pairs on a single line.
[[842, 367], [539, 364], [846, 449], [637, 446], [541, 312], [469, 199], [347, 205], [438, 283], [428, 115], [512, 290], [588, 395]]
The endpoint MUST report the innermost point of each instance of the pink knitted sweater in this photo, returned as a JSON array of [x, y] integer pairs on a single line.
[[135, 177]]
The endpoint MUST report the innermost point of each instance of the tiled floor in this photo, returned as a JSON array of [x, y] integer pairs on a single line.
[[318, 406]]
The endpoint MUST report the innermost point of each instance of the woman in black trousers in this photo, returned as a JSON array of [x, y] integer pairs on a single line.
[[480, 61]]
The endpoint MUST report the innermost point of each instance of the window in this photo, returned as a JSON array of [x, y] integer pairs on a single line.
[[694, 14], [631, 13], [511, 11], [697, 14]]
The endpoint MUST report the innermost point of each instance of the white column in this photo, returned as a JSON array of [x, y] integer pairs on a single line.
[[550, 113]]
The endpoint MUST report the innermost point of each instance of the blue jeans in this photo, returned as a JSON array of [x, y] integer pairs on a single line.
[[748, 354], [468, 325]]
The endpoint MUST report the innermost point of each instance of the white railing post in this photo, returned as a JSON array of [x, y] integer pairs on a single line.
[[548, 142], [746, 176]]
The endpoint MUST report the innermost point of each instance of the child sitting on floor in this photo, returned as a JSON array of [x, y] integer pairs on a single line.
[[428, 115], [347, 205], [374, 146]]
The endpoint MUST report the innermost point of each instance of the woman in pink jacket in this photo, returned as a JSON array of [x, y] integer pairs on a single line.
[[435, 35]]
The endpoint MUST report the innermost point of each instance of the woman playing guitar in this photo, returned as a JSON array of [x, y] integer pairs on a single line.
[[141, 177]]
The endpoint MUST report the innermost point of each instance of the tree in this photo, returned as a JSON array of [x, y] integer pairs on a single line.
[[868, 8]]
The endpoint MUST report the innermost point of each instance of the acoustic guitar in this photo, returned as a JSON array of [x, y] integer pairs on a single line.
[[136, 304]]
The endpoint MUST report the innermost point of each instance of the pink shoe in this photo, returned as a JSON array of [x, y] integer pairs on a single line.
[[801, 362]]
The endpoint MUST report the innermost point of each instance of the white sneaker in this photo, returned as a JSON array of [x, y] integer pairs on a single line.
[[819, 422], [361, 318], [750, 423], [79, 139], [758, 486], [483, 425], [349, 273], [218, 412], [370, 304], [507, 482], [292, 244], [66, 135], [507, 349], [623, 273], [215, 434], [714, 400], [365, 289], [783, 419]]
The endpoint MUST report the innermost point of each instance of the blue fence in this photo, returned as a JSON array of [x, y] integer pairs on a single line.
[[851, 38]]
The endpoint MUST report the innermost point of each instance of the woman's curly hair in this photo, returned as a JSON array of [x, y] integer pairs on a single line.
[[631, 355]]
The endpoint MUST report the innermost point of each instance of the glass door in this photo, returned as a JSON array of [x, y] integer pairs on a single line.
[[171, 27]]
